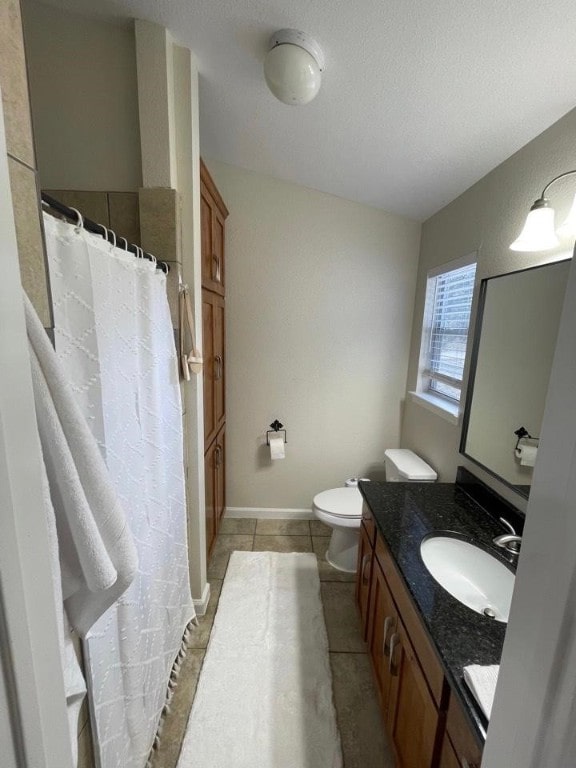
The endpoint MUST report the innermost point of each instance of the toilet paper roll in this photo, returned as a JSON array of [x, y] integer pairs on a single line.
[[528, 455], [277, 450]]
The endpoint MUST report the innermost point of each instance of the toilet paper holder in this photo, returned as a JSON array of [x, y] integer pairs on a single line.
[[523, 434], [275, 427]]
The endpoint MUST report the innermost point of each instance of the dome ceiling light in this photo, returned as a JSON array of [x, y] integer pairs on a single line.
[[293, 66]]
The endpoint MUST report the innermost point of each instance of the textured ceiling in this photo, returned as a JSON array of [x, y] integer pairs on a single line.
[[420, 99]]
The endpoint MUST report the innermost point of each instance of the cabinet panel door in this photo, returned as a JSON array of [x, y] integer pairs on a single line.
[[383, 624], [463, 741], [220, 465], [219, 362], [219, 266], [363, 577], [206, 206], [208, 367], [210, 483], [448, 758], [412, 716]]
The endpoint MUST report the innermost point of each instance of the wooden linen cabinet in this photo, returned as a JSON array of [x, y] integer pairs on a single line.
[[213, 217]]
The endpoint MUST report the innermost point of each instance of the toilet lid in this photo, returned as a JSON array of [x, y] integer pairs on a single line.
[[342, 502]]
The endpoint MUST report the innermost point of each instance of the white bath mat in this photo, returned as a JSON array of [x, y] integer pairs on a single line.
[[264, 698]]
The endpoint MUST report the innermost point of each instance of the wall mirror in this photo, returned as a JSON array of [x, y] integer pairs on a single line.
[[516, 330]]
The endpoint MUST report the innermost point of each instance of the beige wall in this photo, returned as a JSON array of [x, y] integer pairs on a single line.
[[319, 309], [84, 100], [486, 218]]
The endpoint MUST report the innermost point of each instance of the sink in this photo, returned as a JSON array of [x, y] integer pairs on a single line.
[[471, 575]]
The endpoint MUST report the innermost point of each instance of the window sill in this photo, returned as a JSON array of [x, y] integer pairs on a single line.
[[439, 406]]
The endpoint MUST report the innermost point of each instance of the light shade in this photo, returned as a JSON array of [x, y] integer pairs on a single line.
[[568, 228], [293, 66], [538, 233]]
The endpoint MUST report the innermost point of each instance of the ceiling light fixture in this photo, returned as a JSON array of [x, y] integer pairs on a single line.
[[293, 66], [539, 233]]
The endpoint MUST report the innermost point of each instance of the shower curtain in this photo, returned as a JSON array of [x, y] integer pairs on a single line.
[[114, 337]]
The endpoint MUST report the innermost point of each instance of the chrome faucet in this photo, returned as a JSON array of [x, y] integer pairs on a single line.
[[509, 541]]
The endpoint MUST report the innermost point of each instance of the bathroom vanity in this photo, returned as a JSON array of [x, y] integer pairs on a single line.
[[419, 637]]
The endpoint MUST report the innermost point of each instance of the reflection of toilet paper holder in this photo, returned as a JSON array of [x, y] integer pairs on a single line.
[[275, 427]]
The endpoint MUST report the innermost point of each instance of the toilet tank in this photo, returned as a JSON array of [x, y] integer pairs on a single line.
[[404, 466]]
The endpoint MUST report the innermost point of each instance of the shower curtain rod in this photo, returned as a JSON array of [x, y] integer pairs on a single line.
[[100, 229]]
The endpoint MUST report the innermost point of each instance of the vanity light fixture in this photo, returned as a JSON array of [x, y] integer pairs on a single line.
[[293, 66], [539, 233]]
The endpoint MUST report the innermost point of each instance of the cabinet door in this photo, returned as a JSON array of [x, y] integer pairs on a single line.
[[213, 319], [219, 265], [448, 758], [206, 206], [219, 362], [383, 623], [213, 214], [210, 483], [363, 577], [220, 465], [208, 367], [466, 748], [412, 715]]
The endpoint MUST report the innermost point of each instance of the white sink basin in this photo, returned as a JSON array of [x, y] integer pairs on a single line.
[[472, 576]]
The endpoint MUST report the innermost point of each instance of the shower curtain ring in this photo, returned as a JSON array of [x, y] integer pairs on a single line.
[[80, 218], [105, 230], [111, 232], [125, 246]]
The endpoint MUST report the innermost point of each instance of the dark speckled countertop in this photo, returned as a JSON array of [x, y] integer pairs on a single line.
[[407, 512]]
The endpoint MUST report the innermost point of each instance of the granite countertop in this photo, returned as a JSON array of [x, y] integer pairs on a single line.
[[407, 512]]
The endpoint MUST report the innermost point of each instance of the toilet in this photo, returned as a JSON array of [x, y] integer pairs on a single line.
[[341, 508]]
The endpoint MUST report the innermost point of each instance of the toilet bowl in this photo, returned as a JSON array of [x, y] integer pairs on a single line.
[[341, 508]]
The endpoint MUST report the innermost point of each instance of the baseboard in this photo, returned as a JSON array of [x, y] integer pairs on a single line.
[[270, 513], [201, 605]]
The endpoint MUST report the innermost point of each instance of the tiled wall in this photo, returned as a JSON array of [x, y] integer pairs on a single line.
[[115, 210], [160, 227], [21, 158]]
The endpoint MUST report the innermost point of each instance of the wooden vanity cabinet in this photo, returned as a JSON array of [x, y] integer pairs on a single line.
[[409, 679], [364, 578], [460, 748]]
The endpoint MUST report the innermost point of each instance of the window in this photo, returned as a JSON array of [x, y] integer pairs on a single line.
[[449, 295]]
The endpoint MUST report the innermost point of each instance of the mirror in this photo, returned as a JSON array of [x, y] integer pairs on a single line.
[[516, 329]]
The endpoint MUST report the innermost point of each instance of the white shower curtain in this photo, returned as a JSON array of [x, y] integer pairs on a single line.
[[114, 337]]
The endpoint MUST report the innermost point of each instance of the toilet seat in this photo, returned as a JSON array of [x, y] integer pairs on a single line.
[[341, 502]]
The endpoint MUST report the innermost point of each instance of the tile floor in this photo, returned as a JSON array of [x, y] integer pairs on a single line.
[[364, 743]]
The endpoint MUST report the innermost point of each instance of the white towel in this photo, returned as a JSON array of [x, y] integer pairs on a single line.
[[98, 557], [74, 683], [482, 682]]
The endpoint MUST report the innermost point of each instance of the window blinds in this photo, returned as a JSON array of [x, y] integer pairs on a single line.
[[453, 292]]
